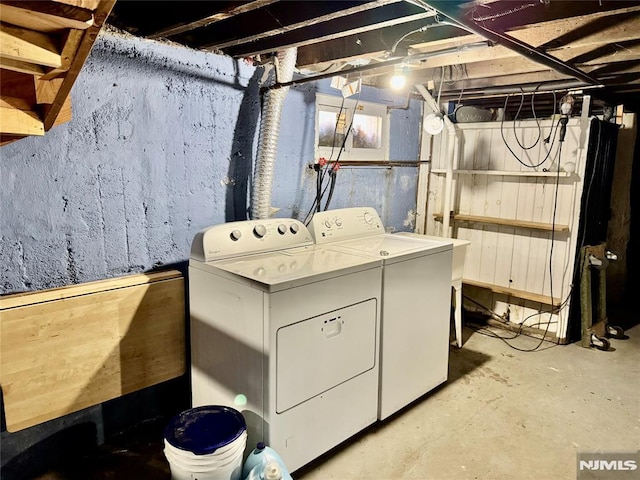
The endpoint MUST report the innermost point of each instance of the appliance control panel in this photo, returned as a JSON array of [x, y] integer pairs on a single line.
[[248, 237], [344, 224]]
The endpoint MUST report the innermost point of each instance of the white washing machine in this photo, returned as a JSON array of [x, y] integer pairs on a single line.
[[416, 293], [286, 332]]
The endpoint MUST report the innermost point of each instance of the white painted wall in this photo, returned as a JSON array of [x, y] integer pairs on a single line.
[[535, 261]]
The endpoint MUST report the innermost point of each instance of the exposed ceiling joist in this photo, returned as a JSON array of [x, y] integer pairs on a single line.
[[226, 12], [569, 43]]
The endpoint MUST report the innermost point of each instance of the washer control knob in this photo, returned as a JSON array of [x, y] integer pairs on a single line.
[[259, 231], [368, 218], [282, 229], [338, 222], [327, 223], [294, 228], [235, 235]]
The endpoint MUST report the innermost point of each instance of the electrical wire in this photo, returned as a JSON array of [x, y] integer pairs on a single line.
[[397, 42], [502, 14], [554, 309], [552, 131], [533, 110], [328, 169]]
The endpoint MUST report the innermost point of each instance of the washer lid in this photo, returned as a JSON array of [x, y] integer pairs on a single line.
[[202, 430], [296, 266], [391, 246]]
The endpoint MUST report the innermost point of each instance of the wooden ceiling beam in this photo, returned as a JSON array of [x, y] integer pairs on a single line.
[[302, 24], [442, 37], [210, 19], [369, 44], [343, 27]]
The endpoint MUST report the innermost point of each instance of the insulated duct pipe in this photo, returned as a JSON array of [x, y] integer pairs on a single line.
[[453, 147], [269, 133]]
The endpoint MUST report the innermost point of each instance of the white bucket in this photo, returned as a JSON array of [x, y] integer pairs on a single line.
[[206, 443]]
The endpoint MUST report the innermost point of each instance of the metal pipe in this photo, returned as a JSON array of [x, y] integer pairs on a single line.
[[375, 66], [503, 90], [507, 41], [453, 148]]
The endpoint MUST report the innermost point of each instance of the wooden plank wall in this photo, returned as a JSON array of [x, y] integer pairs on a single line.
[[492, 184], [65, 349]]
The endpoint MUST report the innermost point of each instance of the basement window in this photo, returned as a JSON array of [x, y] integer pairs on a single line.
[[365, 126]]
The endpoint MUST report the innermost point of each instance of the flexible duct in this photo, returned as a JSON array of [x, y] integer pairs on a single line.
[[453, 147], [268, 139]]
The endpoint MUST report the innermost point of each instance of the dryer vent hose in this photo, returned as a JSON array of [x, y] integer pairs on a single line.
[[269, 133]]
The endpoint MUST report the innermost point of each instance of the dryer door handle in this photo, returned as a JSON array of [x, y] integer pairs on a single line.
[[332, 329]]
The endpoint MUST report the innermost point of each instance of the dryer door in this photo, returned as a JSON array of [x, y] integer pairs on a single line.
[[316, 354]]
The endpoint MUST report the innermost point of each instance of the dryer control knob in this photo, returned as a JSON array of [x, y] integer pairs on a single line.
[[368, 217], [259, 231], [294, 228], [282, 229], [235, 235]]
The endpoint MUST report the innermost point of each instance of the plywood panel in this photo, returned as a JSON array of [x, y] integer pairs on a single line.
[[66, 349]]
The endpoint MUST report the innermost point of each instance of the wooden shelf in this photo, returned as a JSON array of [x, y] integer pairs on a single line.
[[534, 297], [505, 173], [506, 222]]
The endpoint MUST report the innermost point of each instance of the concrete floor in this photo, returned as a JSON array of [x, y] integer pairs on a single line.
[[503, 414]]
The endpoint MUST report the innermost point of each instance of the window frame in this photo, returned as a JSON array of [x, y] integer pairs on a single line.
[[332, 103]]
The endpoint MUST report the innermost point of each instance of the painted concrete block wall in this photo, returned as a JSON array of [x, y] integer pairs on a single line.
[[392, 191], [144, 164], [161, 145]]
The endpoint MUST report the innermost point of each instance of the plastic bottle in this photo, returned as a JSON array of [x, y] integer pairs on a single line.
[[263, 463]]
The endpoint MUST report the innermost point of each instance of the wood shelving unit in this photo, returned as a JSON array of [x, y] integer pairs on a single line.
[[506, 222], [534, 297], [504, 173]]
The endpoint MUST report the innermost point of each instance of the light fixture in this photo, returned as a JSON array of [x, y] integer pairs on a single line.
[[433, 123], [399, 78], [566, 104]]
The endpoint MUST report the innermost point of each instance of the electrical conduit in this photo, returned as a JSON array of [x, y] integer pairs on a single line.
[[453, 148], [268, 139]]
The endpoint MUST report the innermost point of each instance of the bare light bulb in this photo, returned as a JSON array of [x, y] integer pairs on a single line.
[[399, 79]]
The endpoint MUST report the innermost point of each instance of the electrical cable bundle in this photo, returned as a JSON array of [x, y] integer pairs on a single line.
[[329, 169], [553, 309], [552, 133]]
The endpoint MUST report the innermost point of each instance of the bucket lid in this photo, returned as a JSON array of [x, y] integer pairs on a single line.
[[202, 430]]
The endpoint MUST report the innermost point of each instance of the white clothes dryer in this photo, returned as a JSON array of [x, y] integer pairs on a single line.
[[286, 332], [416, 292]]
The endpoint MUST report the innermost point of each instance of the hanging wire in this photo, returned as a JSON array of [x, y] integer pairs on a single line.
[[533, 110], [397, 42], [552, 131]]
